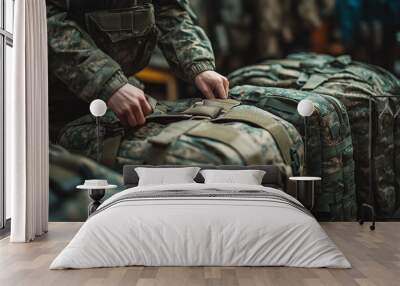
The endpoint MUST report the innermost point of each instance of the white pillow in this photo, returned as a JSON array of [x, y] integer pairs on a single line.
[[245, 177], [166, 176]]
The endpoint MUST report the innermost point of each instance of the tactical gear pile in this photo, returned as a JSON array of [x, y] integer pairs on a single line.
[[259, 124], [251, 128], [368, 93], [192, 132], [183, 132]]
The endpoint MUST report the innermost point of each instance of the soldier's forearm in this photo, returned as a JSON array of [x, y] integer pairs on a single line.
[[117, 81], [192, 53], [111, 86]]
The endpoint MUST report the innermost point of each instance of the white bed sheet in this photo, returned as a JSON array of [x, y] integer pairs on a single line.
[[202, 232]]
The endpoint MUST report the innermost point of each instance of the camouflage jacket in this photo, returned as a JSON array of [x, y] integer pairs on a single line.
[[88, 72]]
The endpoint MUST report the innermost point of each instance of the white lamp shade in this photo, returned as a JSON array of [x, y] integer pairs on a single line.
[[305, 108], [98, 107]]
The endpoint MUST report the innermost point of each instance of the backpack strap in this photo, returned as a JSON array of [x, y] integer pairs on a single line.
[[287, 63], [170, 134], [314, 81], [110, 150], [225, 104], [266, 121], [248, 150], [152, 101], [204, 110]]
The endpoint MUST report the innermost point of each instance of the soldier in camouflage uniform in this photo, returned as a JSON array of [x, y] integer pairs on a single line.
[[95, 47]]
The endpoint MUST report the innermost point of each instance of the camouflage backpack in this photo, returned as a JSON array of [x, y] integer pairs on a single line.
[[356, 85], [192, 132], [329, 146]]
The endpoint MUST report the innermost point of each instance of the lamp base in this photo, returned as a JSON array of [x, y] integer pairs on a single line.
[[96, 196]]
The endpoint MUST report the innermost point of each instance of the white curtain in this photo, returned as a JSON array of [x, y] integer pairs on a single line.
[[27, 124]]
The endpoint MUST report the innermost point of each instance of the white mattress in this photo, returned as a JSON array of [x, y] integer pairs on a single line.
[[200, 231]]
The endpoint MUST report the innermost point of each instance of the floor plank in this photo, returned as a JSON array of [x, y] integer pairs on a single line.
[[375, 257]]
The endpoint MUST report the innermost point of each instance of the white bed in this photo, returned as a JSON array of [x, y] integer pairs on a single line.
[[267, 229]]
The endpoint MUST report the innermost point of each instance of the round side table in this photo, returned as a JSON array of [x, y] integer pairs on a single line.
[[96, 193], [305, 190]]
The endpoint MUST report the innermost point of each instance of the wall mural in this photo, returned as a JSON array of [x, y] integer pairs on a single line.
[[351, 138]]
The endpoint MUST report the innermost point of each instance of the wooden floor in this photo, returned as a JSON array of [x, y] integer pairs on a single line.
[[375, 257]]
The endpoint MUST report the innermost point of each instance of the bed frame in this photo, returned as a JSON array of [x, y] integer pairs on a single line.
[[272, 178]]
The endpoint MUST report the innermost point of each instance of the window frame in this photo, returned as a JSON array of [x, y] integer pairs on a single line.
[[6, 39]]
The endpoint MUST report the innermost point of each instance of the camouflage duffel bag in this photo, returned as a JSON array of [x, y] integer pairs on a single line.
[[356, 85], [192, 132], [329, 146], [66, 171]]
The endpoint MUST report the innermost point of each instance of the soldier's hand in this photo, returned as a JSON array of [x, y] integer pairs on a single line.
[[130, 105], [212, 84]]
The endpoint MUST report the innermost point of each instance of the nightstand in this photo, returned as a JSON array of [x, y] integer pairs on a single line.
[[305, 190], [96, 190]]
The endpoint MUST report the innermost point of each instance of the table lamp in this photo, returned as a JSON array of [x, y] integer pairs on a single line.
[[98, 108], [305, 108]]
